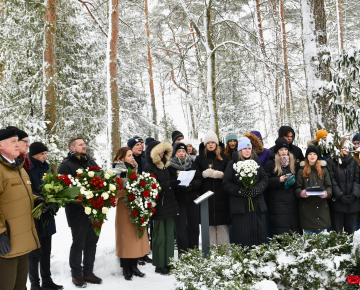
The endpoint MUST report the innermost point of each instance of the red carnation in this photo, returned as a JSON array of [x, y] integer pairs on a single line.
[[142, 220], [141, 229], [132, 197], [153, 186], [157, 196], [353, 279], [149, 205], [153, 175], [133, 176], [153, 210], [93, 168], [134, 212], [142, 183], [146, 193], [117, 179], [94, 223]]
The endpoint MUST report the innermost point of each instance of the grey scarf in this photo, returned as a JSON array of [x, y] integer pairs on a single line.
[[181, 164]]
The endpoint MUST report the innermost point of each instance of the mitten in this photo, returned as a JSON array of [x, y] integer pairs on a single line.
[[289, 181], [351, 198], [208, 173], [4, 244], [218, 174], [344, 200], [174, 183]]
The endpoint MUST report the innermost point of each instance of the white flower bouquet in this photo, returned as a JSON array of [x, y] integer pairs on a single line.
[[246, 170]]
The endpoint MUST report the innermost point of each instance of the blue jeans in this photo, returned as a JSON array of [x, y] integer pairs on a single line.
[[310, 232]]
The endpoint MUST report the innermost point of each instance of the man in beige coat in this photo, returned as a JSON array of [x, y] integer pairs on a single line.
[[18, 235]]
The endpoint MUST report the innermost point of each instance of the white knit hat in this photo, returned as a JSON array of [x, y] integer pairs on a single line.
[[211, 137], [186, 141]]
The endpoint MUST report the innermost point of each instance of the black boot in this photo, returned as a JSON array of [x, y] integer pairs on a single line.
[[127, 274], [136, 272], [35, 287], [50, 285], [162, 270]]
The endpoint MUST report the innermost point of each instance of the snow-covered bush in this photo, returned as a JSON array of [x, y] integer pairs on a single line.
[[291, 261]]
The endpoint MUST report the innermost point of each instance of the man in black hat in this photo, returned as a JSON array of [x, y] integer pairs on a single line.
[[137, 149], [45, 226], [18, 236], [84, 237], [176, 137]]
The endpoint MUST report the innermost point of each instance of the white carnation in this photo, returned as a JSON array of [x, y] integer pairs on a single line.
[[91, 173], [94, 211], [87, 210], [109, 171], [105, 195], [79, 171], [112, 187], [107, 176], [105, 210], [89, 194]]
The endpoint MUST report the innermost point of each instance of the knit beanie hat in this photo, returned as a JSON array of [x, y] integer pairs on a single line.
[[36, 148], [281, 143], [230, 135], [186, 141], [312, 149], [20, 133], [7, 133], [175, 135], [244, 142], [177, 146], [132, 142], [211, 137], [356, 137], [148, 140], [321, 134]]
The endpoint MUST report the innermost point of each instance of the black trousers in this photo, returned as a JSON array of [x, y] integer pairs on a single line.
[[13, 272], [187, 226], [84, 243], [42, 256], [127, 263], [341, 221]]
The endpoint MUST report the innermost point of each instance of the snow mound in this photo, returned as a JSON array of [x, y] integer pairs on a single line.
[[265, 285]]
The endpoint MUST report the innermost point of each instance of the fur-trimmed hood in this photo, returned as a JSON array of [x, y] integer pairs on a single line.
[[322, 163], [154, 149], [257, 145], [312, 143]]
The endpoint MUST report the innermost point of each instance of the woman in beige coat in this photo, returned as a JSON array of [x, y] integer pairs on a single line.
[[129, 247]]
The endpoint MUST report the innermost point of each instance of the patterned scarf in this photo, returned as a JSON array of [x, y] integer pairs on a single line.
[[181, 164], [285, 161], [27, 161]]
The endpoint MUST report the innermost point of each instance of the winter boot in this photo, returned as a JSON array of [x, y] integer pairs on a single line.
[[35, 287], [79, 282], [92, 279], [136, 272], [50, 285], [162, 270], [128, 275], [146, 259]]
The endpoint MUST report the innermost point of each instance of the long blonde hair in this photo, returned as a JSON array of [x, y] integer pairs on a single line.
[[278, 164]]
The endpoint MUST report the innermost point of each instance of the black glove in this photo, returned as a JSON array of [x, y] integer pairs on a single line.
[[344, 200], [38, 201], [174, 183], [4, 244], [351, 198], [249, 192], [187, 188]]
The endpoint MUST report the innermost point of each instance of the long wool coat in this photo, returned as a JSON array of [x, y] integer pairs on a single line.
[[128, 243]]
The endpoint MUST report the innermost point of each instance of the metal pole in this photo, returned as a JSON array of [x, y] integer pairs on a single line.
[[205, 235]]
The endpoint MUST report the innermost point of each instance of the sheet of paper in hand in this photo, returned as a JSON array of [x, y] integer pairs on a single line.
[[186, 177], [315, 190]]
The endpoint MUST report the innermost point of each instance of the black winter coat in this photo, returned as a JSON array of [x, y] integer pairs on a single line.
[[75, 212], [283, 205], [345, 180], [181, 194], [219, 212], [296, 151], [166, 204], [141, 161]]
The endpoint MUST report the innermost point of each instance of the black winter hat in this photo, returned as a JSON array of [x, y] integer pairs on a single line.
[[36, 148], [20, 133], [312, 149], [133, 141], [150, 147], [175, 135], [178, 146], [138, 137], [148, 140], [281, 143], [7, 133]]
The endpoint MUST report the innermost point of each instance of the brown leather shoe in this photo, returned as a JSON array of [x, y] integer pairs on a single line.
[[92, 279], [79, 282]]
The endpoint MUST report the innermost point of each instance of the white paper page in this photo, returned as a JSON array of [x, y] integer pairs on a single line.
[[315, 192], [186, 177]]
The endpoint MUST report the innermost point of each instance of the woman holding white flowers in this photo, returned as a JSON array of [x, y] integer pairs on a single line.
[[212, 164], [283, 205], [157, 161], [247, 205], [129, 247]]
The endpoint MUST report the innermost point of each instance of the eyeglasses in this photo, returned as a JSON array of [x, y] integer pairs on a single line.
[[26, 142]]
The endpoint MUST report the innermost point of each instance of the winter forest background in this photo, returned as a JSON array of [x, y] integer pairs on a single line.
[[111, 69]]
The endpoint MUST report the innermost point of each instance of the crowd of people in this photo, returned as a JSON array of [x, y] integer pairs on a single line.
[[279, 202]]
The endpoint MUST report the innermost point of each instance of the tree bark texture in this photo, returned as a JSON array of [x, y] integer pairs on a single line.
[[340, 26], [150, 71], [50, 64]]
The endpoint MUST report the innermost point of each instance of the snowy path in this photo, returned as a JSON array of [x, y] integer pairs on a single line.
[[106, 263]]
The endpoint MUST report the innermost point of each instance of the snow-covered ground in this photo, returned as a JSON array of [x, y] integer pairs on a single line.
[[106, 264]]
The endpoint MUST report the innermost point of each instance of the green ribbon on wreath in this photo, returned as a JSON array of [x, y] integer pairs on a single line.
[[251, 205]]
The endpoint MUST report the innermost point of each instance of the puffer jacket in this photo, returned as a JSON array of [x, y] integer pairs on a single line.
[[314, 210], [345, 180], [16, 204], [283, 205], [219, 211], [166, 204]]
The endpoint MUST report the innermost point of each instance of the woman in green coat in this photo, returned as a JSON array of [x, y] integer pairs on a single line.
[[314, 210]]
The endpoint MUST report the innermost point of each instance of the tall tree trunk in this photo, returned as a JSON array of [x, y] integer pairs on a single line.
[[150, 71], [286, 67], [113, 93], [50, 65], [340, 26], [315, 40]]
